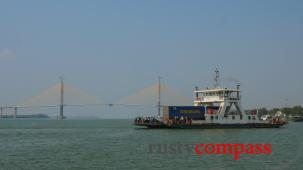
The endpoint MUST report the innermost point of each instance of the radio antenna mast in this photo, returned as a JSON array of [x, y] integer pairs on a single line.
[[217, 76]]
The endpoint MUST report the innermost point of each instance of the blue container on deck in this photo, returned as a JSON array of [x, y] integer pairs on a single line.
[[191, 112]]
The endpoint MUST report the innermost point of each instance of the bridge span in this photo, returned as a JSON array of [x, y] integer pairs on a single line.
[[56, 96]]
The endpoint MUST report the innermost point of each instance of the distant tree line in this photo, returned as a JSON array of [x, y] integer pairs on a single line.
[[296, 110]]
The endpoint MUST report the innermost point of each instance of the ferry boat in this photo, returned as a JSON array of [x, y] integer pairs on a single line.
[[215, 107]]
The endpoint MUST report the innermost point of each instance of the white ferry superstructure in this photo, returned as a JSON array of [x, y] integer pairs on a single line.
[[212, 108]]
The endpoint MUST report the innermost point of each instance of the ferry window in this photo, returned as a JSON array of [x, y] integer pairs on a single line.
[[233, 117], [241, 117], [248, 117], [212, 117], [217, 117], [253, 118]]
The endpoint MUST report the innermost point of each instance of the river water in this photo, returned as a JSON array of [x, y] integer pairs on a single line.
[[117, 144]]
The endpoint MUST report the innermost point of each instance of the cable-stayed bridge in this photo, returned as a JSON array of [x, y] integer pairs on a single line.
[[64, 95]]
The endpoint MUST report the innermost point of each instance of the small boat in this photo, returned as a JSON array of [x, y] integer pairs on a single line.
[[296, 118]]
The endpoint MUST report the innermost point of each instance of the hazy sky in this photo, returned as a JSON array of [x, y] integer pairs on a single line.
[[113, 48]]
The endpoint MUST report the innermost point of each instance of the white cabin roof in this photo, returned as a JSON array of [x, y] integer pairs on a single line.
[[216, 90]]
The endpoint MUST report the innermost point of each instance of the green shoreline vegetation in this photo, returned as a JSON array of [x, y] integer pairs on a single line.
[[294, 111]]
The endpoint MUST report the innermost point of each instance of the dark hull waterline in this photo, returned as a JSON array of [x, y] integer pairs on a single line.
[[212, 126]]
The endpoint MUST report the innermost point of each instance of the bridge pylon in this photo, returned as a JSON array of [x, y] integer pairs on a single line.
[[61, 115]]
